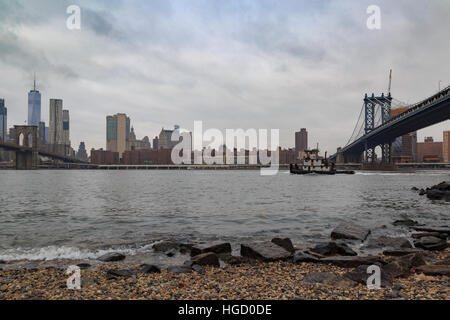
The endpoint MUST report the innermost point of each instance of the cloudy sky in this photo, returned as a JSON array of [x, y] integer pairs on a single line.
[[282, 64]]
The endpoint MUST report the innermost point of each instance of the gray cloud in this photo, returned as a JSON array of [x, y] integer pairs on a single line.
[[249, 64]]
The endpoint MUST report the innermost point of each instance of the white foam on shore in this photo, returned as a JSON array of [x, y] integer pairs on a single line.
[[70, 253]]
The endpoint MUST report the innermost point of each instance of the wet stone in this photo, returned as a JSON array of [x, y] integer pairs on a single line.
[[434, 270], [285, 243], [302, 256], [350, 231], [333, 249], [360, 275], [149, 268], [389, 242], [431, 243], [206, 259], [405, 223], [117, 273], [351, 262], [215, 247], [111, 257], [264, 251], [401, 252]]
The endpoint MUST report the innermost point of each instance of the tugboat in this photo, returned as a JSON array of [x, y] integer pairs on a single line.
[[315, 164]]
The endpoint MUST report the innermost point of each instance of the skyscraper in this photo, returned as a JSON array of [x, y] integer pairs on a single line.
[[55, 134], [301, 140], [66, 131], [118, 133], [34, 106], [3, 121]]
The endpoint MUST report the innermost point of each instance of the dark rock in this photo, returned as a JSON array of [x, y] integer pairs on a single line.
[[2, 262], [111, 257], [445, 230], [437, 195], [405, 223], [233, 260], [333, 249], [179, 269], [285, 243], [167, 245], [422, 192], [198, 269], [116, 273], [352, 262], [318, 277], [215, 247], [264, 251], [360, 275], [149, 268], [302, 256], [431, 243], [348, 230], [401, 267], [389, 242], [401, 252], [434, 270], [429, 234], [414, 189], [83, 266], [206, 259], [171, 253]]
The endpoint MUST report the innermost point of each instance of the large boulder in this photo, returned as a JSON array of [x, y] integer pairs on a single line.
[[216, 247], [434, 270], [179, 269], [333, 249], [117, 273], [303, 256], [389, 242], [431, 243], [439, 192], [401, 267], [206, 259], [285, 243], [401, 252], [166, 246], [149, 268], [352, 262], [264, 251], [360, 275], [351, 231], [111, 257], [440, 230], [405, 223]]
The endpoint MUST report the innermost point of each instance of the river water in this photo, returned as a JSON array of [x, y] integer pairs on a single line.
[[82, 214]]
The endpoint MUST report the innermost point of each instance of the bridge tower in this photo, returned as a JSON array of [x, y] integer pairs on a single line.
[[370, 107], [27, 158]]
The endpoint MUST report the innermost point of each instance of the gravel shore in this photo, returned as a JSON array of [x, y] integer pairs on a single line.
[[255, 280]]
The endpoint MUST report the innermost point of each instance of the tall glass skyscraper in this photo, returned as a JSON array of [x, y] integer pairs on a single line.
[[3, 121], [34, 106]]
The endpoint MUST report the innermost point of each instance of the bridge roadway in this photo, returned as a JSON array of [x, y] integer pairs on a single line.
[[14, 147], [432, 110]]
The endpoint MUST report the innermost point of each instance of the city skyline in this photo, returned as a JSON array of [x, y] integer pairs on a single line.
[[238, 59]]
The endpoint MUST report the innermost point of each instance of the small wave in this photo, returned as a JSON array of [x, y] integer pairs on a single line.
[[71, 253]]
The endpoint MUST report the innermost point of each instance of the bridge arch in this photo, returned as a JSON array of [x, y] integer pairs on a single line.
[[27, 156]]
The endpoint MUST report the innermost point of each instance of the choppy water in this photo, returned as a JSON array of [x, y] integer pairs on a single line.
[[81, 214]]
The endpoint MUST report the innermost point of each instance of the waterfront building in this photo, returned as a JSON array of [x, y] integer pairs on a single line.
[[446, 146], [136, 144], [82, 154], [118, 133], [3, 121], [165, 140], [104, 157], [429, 151], [66, 131], [34, 106], [301, 140], [56, 135], [155, 143]]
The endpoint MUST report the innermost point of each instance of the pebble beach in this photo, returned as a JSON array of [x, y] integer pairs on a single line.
[[249, 281]]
